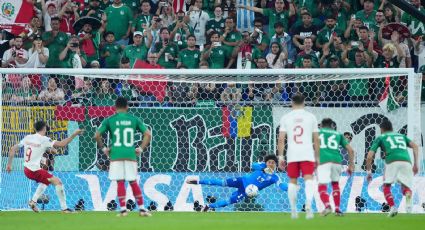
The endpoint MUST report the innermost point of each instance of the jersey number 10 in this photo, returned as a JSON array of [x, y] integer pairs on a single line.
[[128, 137]]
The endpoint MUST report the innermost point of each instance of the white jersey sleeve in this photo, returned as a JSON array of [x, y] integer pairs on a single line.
[[34, 147], [299, 126]]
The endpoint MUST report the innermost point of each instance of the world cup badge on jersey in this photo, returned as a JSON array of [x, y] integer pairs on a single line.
[[220, 52], [122, 12], [196, 56], [222, 25]]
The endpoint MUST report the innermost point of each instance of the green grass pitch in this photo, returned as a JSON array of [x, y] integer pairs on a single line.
[[204, 221]]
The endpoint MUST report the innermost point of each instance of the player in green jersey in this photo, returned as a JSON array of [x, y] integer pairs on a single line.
[[398, 166], [123, 153], [330, 168]]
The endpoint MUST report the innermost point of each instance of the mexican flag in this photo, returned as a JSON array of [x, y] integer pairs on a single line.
[[387, 101], [15, 15]]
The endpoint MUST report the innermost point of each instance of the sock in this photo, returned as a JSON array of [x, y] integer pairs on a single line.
[[219, 204], [60, 192], [323, 191], [406, 190], [388, 196], [309, 192], [137, 192], [336, 194], [121, 194], [212, 182], [292, 195], [39, 191]]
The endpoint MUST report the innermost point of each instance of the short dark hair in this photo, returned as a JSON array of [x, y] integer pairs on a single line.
[[55, 18], [270, 157], [350, 135], [327, 123], [121, 103], [386, 125], [298, 99], [125, 60], [363, 28], [260, 20], [191, 36], [39, 125]]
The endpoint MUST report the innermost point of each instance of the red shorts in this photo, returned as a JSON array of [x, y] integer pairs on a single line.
[[41, 175], [306, 167]]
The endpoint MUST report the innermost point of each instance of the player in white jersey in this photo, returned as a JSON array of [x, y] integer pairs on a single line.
[[35, 145], [302, 130]]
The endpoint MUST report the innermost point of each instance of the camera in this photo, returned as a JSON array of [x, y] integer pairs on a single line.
[[74, 44], [158, 20], [216, 44], [163, 4]]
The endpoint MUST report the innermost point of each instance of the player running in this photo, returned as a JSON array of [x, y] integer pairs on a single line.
[[398, 166], [330, 168], [301, 128], [123, 154], [263, 175], [35, 145]]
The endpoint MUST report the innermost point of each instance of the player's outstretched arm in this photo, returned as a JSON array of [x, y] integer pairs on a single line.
[[369, 160], [350, 158], [12, 153], [67, 140], [280, 149], [415, 148]]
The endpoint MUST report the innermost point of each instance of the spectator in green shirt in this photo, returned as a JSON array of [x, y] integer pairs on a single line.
[[167, 50], [55, 41], [93, 10], [416, 27], [180, 30], [139, 49], [144, 19], [105, 95], [230, 38], [215, 54], [189, 57], [216, 23], [326, 33], [276, 14], [261, 39], [367, 15], [111, 52], [119, 20], [358, 89]]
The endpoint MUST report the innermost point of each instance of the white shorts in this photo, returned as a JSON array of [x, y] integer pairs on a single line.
[[123, 170], [328, 172], [399, 171]]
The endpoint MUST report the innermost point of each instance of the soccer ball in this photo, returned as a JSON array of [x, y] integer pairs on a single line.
[[251, 190]]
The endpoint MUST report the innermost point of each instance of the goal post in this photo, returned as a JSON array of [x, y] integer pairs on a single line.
[[210, 123]]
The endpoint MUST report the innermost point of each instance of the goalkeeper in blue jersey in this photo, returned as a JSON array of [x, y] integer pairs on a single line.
[[263, 175]]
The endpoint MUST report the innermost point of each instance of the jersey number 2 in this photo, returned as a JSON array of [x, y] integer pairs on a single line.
[[298, 133]]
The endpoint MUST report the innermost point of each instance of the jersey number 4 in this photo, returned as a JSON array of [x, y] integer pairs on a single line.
[[128, 137]]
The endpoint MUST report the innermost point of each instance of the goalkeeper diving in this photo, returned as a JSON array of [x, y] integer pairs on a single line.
[[263, 175]]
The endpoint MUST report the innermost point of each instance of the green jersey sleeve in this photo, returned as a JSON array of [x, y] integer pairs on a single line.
[[344, 141], [141, 126], [375, 145]]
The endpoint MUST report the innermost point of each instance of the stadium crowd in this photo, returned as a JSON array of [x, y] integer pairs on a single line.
[[209, 34]]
